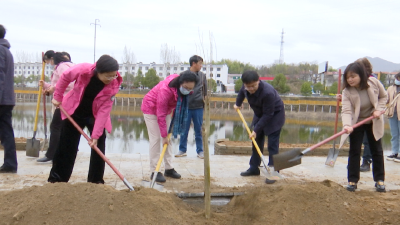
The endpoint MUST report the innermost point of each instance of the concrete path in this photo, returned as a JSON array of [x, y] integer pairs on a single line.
[[225, 172]]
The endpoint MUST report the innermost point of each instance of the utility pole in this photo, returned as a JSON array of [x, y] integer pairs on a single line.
[[95, 26], [281, 55]]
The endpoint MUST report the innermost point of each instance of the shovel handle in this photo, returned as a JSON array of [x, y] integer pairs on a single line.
[[96, 149], [38, 100], [338, 134], [337, 100], [159, 162]]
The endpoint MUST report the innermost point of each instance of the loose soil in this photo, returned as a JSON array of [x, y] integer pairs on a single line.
[[281, 145], [281, 203]]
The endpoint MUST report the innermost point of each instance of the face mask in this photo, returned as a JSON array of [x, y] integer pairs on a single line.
[[397, 82], [184, 91]]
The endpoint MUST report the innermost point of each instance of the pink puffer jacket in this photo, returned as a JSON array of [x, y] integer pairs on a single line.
[[160, 101]]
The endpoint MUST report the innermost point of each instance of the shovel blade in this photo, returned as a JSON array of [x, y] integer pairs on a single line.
[[32, 147], [287, 159], [332, 156], [147, 184], [270, 173]]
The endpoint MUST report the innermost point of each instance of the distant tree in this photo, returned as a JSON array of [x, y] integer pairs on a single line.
[[306, 89], [332, 89], [279, 83], [127, 79], [151, 79], [318, 87], [138, 79], [212, 84], [235, 66], [383, 79], [238, 85], [331, 69]]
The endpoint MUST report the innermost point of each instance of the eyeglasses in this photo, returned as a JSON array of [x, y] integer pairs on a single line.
[[110, 78]]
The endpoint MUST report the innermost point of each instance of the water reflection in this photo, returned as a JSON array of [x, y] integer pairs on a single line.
[[129, 133]]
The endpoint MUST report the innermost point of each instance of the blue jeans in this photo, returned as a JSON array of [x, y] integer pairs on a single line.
[[197, 116], [395, 132]]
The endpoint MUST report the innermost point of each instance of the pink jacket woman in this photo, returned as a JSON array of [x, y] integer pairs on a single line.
[[160, 101], [58, 70], [102, 105]]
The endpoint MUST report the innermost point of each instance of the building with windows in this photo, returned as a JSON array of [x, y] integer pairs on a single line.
[[29, 68], [217, 72]]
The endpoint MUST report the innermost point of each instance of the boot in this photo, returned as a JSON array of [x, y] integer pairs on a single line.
[[159, 178], [172, 173], [365, 166]]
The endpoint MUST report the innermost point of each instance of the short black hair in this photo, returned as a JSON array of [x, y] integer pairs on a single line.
[[187, 76], [48, 55], [67, 55], [358, 68], [2, 31], [250, 77], [106, 64], [195, 59], [59, 58]]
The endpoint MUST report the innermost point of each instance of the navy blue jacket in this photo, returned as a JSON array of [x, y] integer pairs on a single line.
[[7, 96], [269, 111]]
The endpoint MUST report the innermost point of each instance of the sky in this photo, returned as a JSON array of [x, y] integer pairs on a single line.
[[339, 31]]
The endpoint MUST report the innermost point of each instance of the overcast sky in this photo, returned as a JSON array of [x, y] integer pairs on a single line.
[[339, 31]]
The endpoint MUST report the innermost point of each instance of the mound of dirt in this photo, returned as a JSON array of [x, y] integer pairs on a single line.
[[283, 203], [314, 203]]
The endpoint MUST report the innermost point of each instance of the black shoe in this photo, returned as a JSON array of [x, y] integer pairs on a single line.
[[391, 157], [172, 173], [4, 169], [351, 186], [160, 178], [268, 181], [365, 166], [44, 159], [380, 186], [250, 173]]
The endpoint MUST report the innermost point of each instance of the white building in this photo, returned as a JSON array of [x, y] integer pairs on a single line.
[[217, 72], [29, 68]]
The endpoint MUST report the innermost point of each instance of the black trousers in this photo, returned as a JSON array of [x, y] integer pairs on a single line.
[[7, 137], [356, 139], [65, 155], [273, 149], [55, 132]]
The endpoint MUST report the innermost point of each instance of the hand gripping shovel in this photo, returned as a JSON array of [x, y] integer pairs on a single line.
[[293, 158], [33, 145], [270, 173], [97, 150], [333, 152], [152, 183]]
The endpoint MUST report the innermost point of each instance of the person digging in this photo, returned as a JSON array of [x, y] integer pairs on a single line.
[[268, 119]]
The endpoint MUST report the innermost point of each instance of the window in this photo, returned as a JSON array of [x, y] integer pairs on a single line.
[[29, 72], [218, 75], [175, 68], [47, 72], [168, 69], [120, 67], [188, 68], [161, 68], [154, 68], [182, 68], [211, 75], [126, 68], [20, 67], [168, 74], [211, 69], [29, 67], [218, 69], [37, 67], [204, 69], [24, 67], [141, 68], [147, 67], [133, 73], [160, 74], [20, 72], [46, 67], [133, 67]]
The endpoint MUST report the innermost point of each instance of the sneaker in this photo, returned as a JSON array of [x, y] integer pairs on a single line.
[[351, 186], [397, 159], [4, 169], [201, 155], [181, 154], [44, 159], [172, 173], [365, 166], [250, 173], [160, 178], [380, 186], [391, 157]]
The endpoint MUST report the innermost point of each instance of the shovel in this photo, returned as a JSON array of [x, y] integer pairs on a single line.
[[270, 173], [45, 122], [293, 158], [152, 183], [333, 152], [97, 150], [33, 145]]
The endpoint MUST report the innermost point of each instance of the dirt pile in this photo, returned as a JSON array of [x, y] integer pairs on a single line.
[[283, 203], [315, 203]]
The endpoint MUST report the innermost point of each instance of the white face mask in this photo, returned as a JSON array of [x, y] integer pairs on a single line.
[[396, 82], [184, 91]]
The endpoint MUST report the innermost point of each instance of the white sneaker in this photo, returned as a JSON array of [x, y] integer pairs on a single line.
[[201, 155], [181, 154]]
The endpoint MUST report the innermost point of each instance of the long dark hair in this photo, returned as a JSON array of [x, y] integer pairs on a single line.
[[59, 57], [48, 55], [186, 76], [358, 68]]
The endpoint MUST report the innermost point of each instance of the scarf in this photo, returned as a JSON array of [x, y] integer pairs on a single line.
[[180, 116]]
